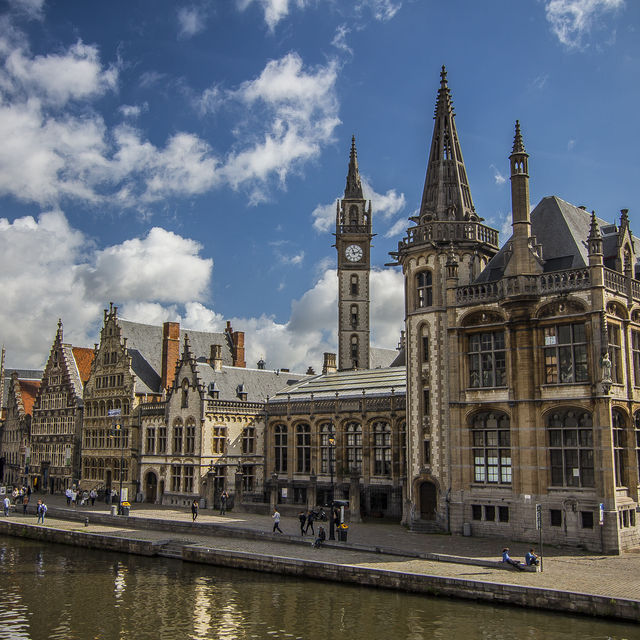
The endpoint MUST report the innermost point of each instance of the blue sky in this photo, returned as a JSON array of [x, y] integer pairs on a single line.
[[182, 159]]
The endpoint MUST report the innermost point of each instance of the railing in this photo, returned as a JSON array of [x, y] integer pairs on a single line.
[[559, 281], [232, 406], [343, 405], [614, 280], [448, 231]]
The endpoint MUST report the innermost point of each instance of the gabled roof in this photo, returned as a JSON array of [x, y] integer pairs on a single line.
[[23, 374], [259, 384], [28, 390], [374, 382], [382, 358], [83, 357], [562, 229]]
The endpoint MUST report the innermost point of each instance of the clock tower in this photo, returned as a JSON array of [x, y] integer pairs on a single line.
[[353, 243]]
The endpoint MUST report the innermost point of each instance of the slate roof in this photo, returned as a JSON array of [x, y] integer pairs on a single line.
[[259, 384], [379, 358], [562, 229], [375, 382], [144, 344]]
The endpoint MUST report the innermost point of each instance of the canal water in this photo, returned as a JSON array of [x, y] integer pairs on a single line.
[[58, 592]]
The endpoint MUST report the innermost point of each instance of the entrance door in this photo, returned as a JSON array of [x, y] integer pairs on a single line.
[[428, 501], [151, 487]]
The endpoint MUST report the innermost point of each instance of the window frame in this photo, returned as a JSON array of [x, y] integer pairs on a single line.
[[573, 353]]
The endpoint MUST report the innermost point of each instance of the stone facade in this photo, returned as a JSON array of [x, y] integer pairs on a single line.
[[523, 364], [57, 416]]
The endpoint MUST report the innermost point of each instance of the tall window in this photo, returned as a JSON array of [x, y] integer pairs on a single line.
[[424, 289], [637, 430], [491, 436], [248, 477], [188, 479], [615, 353], [381, 448], [177, 437], [618, 424], [425, 348], [487, 359], [185, 394], [354, 349], [162, 439], [565, 354], [249, 440], [635, 349], [175, 477], [325, 431], [190, 437], [571, 448], [354, 316], [151, 440], [280, 448], [353, 433], [303, 448], [354, 285], [219, 439]]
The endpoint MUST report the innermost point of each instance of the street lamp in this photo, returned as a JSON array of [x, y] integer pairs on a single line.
[[332, 445], [274, 490], [116, 431]]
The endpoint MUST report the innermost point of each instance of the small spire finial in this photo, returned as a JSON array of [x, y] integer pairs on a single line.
[[518, 144], [443, 75], [594, 229]]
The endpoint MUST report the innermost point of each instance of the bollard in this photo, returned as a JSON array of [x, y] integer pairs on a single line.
[[86, 522]]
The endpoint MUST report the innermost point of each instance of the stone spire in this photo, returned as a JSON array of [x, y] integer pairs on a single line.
[[518, 144], [594, 241], [353, 190], [446, 194]]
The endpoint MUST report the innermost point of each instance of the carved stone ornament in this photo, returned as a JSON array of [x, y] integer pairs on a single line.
[[561, 308], [482, 317], [605, 364]]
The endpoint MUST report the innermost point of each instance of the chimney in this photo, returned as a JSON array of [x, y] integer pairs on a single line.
[[329, 365], [237, 341], [170, 352], [216, 357], [261, 364]]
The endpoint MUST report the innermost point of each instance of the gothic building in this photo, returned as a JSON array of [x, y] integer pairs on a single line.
[[523, 362], [57, 416], [208, 436]]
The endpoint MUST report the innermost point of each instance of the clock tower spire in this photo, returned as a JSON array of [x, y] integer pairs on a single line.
[[353, 243]]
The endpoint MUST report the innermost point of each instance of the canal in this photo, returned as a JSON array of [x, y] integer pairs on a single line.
[[57, 592]]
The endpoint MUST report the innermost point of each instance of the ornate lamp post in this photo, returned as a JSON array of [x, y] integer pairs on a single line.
[[332, 445], [118, 431]]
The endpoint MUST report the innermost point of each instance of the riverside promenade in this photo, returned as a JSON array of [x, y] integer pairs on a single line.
[[375, 553]]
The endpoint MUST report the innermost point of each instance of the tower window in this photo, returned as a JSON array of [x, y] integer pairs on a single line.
[[354, 350], [424, 289], [353, 215], [354, 316], [354, 285]]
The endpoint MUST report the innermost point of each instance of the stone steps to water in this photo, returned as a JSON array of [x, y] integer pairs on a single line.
[[425, 526], [172, 549]]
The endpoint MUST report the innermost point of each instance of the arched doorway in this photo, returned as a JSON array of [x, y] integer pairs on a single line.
[[151, 487], [428, 500]]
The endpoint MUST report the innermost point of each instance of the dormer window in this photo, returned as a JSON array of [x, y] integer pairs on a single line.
[[241, 392], [214, 392]]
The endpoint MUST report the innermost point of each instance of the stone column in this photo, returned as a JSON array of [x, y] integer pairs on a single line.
[[354, 498]]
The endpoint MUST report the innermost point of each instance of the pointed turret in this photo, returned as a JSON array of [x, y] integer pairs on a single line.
[[354, 186], [446, 194], [594, 241]]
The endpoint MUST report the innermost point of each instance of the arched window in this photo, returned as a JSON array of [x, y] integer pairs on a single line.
[[354, 351], [177, 436], [491, 437], [424, 289], [618, 424], [326, 430], [303, 448], [353, 215], [354, 316], [185, 394], [354, 285], [190, 437], [280, 448], [637, 430], [381, 448], [353, 435], [570, 448]]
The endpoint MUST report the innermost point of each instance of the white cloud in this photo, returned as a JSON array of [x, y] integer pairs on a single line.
[[340, 39], [133, 110], [31, 8], [274, 10], [382, 10], [384, 206], [397, 228], [572, 20], [499, 178], [190, 21]]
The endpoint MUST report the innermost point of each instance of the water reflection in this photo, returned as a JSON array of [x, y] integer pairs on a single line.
[[59, 592]]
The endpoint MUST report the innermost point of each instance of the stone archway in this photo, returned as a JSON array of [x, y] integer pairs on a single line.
[[151, 487], [428, 500]]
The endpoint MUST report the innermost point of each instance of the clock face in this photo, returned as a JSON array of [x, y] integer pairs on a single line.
[[353, 253]]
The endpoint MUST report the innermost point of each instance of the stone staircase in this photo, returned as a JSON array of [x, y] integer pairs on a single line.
[[425, 526], [172, 549]]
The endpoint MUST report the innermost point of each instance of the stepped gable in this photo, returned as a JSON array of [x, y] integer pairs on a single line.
[[562, 230]]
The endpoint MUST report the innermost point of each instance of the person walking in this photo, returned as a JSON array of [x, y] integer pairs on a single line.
[[41, 510], [6, 503], [276, 521], [93, 495], [302, 516], [310, 520], [194, 509], [224, 496], [67, 493], [25, 504]]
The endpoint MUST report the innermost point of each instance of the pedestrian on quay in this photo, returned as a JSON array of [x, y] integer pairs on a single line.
[[74, 498], [322, 536], [6, 503], [93, 494], [302, 516], [41, 510], [224, 496], [68, 494], [194, 509], [310, 520], [276, 521], [25, 504]]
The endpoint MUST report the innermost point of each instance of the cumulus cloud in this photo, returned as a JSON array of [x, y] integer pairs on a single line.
[[384, 206], [572, 20], [191, 21]]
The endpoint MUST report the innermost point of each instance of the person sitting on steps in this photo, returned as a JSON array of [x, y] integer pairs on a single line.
[[322, 536], [511, 561]]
